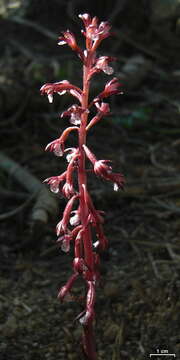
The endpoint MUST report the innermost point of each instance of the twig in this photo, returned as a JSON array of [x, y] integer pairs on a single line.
[[154, 266], [18, 209], [154, 244], [171, 253], [32, 24], [12, 194], [34, 56], [156, 163], [142, 48], [141, 190], [117, 9], [170, 206], [17, 114]]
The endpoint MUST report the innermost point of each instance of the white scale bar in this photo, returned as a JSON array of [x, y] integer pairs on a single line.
[[163, 355]]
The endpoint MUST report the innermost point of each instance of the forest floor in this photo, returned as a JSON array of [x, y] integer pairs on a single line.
[[138, 303]]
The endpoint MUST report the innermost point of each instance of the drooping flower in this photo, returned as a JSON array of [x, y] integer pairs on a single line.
[[68, 209], [55, 182], [75, 113], [118, 180], [103, 110], [61, 227], [87, 316], [103, 64], [71, 152], [68, 38], [64, 242], [111, 88], [102, 239], [68, 190], [56, 146], [79, 265], [101, 169], [64, 291], [75, 219], [61, 88], [105, 171]]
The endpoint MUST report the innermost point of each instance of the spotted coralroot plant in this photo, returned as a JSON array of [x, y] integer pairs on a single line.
[[75, 227]]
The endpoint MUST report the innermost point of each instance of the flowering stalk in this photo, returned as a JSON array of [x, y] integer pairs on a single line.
[[76, 225]]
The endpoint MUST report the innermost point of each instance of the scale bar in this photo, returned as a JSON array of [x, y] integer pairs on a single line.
[[162, 355]]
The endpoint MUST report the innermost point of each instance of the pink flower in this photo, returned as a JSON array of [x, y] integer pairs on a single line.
[[75, 219], [102, 242], [101, 169], [87, 316], [103, 64], [57, 146], [94, 32], [105, 171], [86, 19], [55, 182], [62, 225], [75, 113], [68, 209], [111, 88], [61, 228], [69, 39], [104, 110], [64, 242], [118, 180], [66, 288], [68, 190], [71, 153], [61, 88], [79, 265]]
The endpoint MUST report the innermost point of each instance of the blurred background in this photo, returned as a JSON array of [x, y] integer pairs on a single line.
[[138, 299]]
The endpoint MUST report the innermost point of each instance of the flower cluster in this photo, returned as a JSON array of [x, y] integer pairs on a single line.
[[80, 216]]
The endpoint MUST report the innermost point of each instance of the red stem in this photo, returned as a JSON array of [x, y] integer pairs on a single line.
[[88, 342], [82, 178]]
